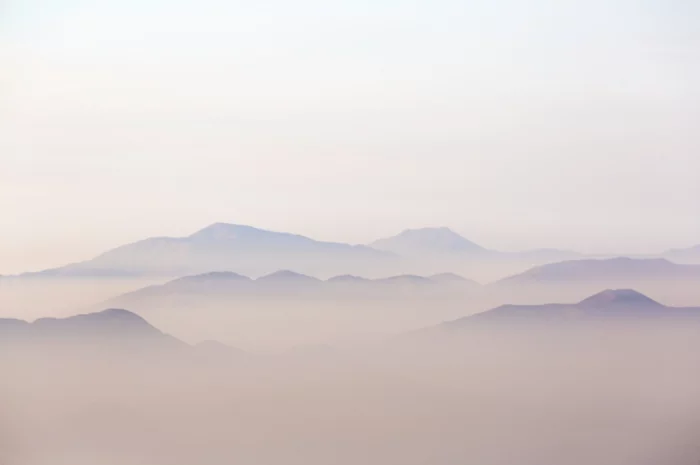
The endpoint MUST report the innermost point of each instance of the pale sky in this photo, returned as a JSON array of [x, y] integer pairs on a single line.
[[519, 124]]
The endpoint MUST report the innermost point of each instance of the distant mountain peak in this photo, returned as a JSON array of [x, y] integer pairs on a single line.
[[286, 275], [227, 231], [406, 278], [430, 229], [422, 240], [108, 316], [621, 269], [622, 297], [347, 278], [118, 313], [433, 233], [214, 276]]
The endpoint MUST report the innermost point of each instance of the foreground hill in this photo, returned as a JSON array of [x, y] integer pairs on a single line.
[[103, 337], [610, 305], [112, 327]]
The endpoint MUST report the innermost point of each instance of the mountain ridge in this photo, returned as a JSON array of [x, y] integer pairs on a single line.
[[255, 251], [607, 305], [218, 284], [223, 246], [617, 267]]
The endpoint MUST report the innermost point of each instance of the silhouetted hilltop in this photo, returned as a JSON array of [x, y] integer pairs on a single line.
[[619, 298], [109, 327], [612, 305], [440, 241]]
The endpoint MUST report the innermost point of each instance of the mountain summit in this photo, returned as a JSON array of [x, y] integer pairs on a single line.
[[619, 298], [442, 241], [225, 232]]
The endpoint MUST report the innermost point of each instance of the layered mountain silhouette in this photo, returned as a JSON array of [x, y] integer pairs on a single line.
[[574, 279], [112, 327], [609, 305], [611, 270], [229, 285], [255, 252], [224, 246]]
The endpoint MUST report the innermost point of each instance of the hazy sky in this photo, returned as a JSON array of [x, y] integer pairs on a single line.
[[517, 123]]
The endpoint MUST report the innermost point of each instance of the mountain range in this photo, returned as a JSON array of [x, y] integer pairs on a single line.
[[253, 251], [585, 275], [218, 259], [229, 286], [224, 247], [118, 328]]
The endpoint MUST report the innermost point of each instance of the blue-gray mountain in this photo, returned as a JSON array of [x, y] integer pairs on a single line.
[[107, 327], [445, 244], [253, 251], [610, 305], [671, 282], [229, 286], [222, 247], [619, 269]]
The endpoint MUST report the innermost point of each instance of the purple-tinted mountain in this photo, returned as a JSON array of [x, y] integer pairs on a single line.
[[428, 241], [227, 286], [253, 251], [107, 327], [224, 246], [436, 250], [613, 269], [407, 280], [609, 305]]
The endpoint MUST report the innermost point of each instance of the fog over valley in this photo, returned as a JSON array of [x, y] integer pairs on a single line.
[[110, 388], [571, 360]]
